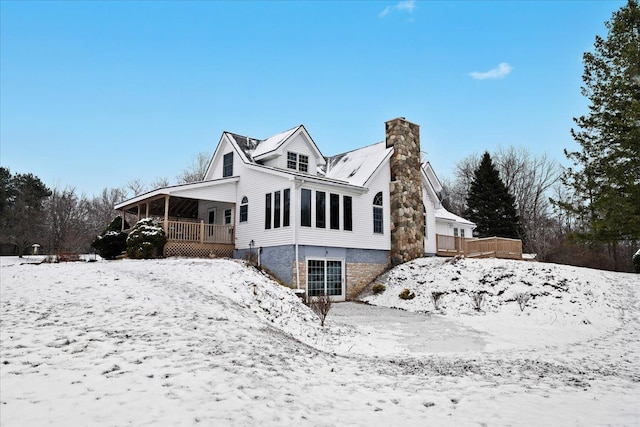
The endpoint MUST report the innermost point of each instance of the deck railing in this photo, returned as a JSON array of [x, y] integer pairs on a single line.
[[199, 232], [498, 247]]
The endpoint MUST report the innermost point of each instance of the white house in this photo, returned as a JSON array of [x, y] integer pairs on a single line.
[[323, 224]]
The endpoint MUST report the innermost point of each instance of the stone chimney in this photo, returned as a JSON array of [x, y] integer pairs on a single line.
[[405, 191]]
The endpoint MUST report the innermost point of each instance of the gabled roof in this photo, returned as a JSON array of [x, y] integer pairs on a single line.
[[272, 143], [358, 166], [443, 214]]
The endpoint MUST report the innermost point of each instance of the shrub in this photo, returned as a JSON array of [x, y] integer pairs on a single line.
[[321, 305], [476, 300], [636, 261], [523, 298], [112, 242], [146, 240], [378, 288], [407, 294], [435, 298]]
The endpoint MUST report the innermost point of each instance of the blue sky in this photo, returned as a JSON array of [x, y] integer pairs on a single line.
[[95, 94]]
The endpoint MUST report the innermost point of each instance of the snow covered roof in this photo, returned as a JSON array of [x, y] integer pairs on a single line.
[[357, 166], [443, 214], [273, 142]]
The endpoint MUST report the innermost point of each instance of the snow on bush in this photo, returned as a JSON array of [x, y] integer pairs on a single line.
[[112, 242], [146, 240]]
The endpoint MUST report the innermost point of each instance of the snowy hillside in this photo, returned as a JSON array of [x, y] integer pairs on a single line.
[[213, 342], [558, 303]]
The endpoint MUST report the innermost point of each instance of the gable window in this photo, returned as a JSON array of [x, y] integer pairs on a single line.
[[320, 209], [347, 222], [292, 160], [244, 209], [227, 165], [305, 208], [377, 214], [334, 211], [303, 163], [297, 161], [287, 208], [227, 216], [267, 211], [276, 209]]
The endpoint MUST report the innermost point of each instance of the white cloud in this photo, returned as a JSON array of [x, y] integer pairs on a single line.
[[496, 73], [403, 6]]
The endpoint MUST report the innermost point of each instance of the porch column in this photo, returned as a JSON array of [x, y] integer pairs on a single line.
[[166, 213], [202, 231], [138, 214], [146, 210], [123, 219]]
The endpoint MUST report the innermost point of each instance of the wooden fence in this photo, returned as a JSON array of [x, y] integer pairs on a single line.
[[489, 247]]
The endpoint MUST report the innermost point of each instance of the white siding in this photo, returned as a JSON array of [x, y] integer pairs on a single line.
[[225, 192], [430, 232], [362, 235], [215, 169], [299, 145], [255, 184]]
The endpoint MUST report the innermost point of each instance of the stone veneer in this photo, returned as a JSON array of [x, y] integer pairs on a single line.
[[405, 191], [357, 276]]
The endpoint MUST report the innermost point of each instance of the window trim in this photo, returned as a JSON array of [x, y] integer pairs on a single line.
[[267, 211], [227, 168], [347, 214], [378, 211], [321, 211], [244, 209], [325, 260]]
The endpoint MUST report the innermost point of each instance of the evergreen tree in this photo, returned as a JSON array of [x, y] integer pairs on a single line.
[[490, 205], [22, 213], [606, 176]]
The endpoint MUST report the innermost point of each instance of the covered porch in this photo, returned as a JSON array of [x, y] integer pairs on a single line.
[[195, 226]]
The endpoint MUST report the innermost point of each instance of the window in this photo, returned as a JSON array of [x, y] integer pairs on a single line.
[[462, 233], [305, 208], [334, 211], [424, 216], [227, 165], [347, 222], [377, 214], [276, 209], [320, 209], [212, 216], [297, 161], [303, 163], [267, 212], [227, 216], [292, 160], [244, 209], [324, 276], [455, 232], [287, 208]]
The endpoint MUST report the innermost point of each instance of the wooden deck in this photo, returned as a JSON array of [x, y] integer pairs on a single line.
[[197, 239], [489, 247]]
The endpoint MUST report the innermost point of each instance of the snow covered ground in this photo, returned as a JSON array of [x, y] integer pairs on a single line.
[[212, 342]]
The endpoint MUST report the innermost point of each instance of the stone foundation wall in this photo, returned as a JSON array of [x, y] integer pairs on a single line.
[[360, 275], [405, 191], [357, 276]]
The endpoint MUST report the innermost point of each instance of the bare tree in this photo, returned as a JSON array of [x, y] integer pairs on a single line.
[[100, 210], [67, 222], [136, 187], [160, 182], [196, 170]]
